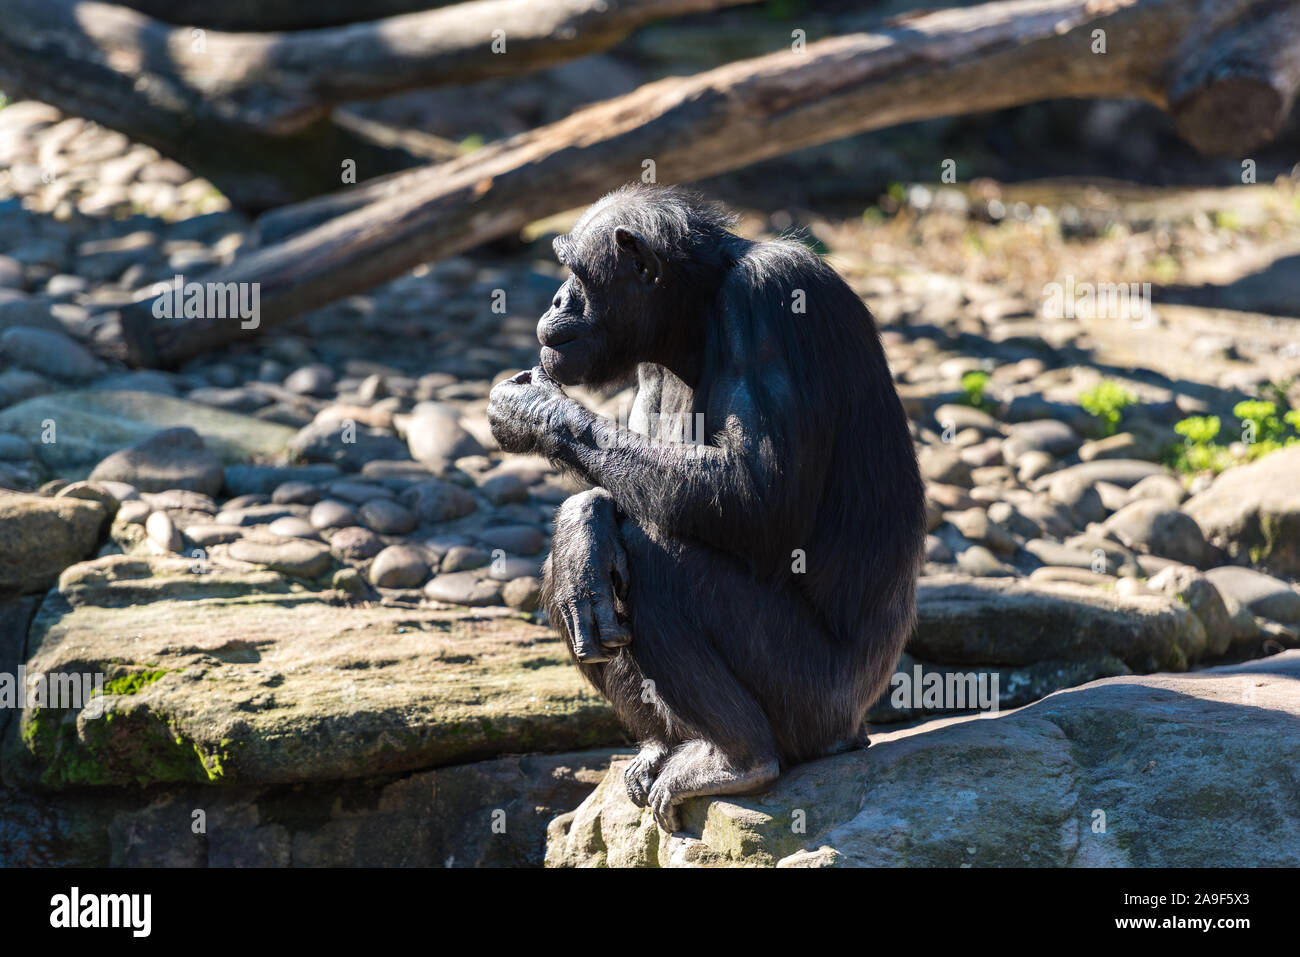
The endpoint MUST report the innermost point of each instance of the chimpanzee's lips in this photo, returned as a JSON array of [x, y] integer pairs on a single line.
[[557, 337], [552, 360]]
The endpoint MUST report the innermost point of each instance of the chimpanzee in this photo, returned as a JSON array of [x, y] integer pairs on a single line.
[[741, 600]]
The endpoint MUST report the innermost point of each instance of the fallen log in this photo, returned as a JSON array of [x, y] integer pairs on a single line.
[[252, 111], [941, 63]]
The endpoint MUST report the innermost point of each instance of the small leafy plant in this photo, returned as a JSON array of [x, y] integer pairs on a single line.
[[1106, 402], [1263, 430], [973, 383]]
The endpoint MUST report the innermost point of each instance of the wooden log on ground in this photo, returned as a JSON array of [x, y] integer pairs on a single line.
[[251, 111], [942, 63]]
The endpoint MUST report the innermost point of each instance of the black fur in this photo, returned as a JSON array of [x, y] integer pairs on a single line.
[[677, 569]]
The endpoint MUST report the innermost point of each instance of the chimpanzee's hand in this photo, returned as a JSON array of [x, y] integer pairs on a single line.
[[526, 412], [587, 576]]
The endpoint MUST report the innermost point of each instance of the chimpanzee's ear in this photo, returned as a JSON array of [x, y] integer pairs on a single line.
[[644, 259]]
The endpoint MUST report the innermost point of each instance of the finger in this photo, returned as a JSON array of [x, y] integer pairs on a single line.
[[586, 643], [613, 634], [542, 378]]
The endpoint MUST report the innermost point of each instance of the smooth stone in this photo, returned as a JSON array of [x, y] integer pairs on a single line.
[[292, 526], [1199, 594], [504, 568], [172, 459], [463, 588], [461, 558], [432, 437], [982, 563], [257, 514], [315, 380], [1165, 488], [293, 556], [331, 514], [207, 535], [522, 594], [516, 539], [182, 499], [357, 492], [438, 501], [1152, 525], [162, 531], [296, 493], [944, 466], [265, 479], [133, 512], [1264, 595], [503, 489], [355, 543], [49, 353], [387, 517], [348, 445], [399, 566], [1041, 435]]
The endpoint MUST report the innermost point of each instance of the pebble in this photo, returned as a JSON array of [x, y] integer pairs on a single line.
[[163, 532], [1263, 594], [49, 352], [461, 558], [172, 459], [257, 514], [504, 489], [296, 493], [434, 437], [355, 543], [435, 501], [517, 539], [331, 514], [387, 517], [293, 526], [399, 566], [133, 512], [293, 556], [523, 593], [462, 588]]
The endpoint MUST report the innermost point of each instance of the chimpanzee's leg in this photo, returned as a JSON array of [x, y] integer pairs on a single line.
[[725, 678]]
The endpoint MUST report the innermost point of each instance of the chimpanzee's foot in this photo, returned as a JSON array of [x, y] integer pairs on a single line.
[[697, 768], [640, 773]]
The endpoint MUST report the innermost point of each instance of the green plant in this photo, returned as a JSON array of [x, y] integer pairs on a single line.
[[1106, 402], [973, 384], [1259, 421], [1199, 451]]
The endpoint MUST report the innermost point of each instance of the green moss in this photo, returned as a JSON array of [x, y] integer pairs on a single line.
[[133, 682], [116, 749]]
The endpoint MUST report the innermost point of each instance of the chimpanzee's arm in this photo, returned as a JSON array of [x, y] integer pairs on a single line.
[[705, 491]]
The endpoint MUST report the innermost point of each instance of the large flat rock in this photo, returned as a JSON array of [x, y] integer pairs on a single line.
[[1164, 770], [1014, 621], [240, 676], [90, 425]]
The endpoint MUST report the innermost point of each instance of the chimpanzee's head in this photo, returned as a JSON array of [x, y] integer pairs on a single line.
[[645, 264]]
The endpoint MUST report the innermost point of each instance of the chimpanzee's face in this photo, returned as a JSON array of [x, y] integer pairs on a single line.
[[604, 319]]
